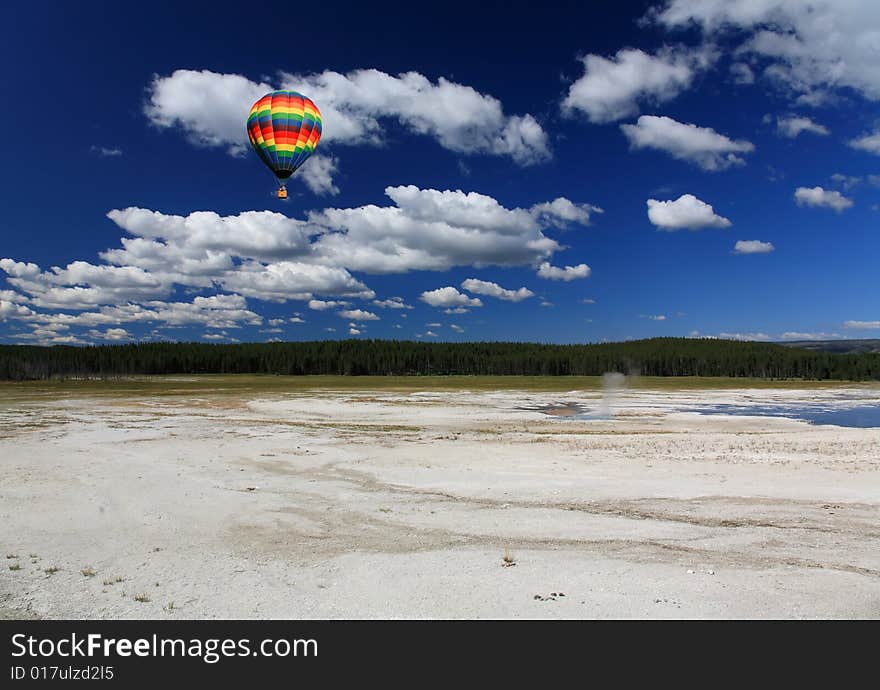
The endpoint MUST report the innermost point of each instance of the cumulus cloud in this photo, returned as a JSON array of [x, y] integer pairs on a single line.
[[822, 198], [81, 284], [424, 229], [807, 48], [685, 212], [392, 303], [753, 247], [321, 305], [545, 270], [456, 328], [483, 287], [612, 88], [110, 334], [701, 146], [793, 125], [268, 256], [429, 229], [867, 142], [216, 311], [561, 212], [222, 336], [211, 107], [286, 280], [450, 298], [320, 175], [357, 315]]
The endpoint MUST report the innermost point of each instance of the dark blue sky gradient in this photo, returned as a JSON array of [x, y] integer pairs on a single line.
[[75, 76]]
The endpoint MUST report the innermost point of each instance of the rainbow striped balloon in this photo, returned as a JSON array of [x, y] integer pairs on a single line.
[[284, 128]]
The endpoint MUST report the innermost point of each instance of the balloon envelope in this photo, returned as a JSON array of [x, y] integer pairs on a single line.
[[284, 128]]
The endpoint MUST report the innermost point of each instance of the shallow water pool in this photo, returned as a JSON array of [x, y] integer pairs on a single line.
[[858, 416]]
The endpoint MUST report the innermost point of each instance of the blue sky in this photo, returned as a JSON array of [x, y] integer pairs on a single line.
[[701, 168]]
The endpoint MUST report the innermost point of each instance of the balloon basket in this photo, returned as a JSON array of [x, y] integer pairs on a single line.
[[282, 193]]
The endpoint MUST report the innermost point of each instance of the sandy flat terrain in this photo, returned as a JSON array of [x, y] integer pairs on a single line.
[[349, 504]]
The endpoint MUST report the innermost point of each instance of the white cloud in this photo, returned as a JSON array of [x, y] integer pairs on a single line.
[[113, 334], [795, 335], [867, 142], [296, 319], [612, 88], [456, 310], [654, 317], [429, 229], [862, 325], [450, 298], [392, 303], [685, 212], [319, 178], [268, 256], [430, 334], [561, 212], [848, 181], [807, 47], [425, 230], [821, 198], [286, 280], [701, 146], [741, 73], [263, 235], [548, 272], [743, 336], [357, 315], [321, 305], [217, 311], [753, 247], [82, 285], [793, 125], [211, 108], [353, 331], [456, 328], [106, 151], [221, 336], [10, 310], [482, 287]]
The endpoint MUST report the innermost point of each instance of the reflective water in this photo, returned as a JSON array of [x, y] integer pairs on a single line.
[[860, 416]]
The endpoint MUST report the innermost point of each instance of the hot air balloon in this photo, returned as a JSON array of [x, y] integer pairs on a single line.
[[284, 128]]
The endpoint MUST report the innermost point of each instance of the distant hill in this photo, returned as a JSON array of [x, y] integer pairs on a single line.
[[652, 357], [840, 347]]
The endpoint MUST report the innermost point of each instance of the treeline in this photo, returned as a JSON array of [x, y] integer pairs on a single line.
[[653, 357]]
